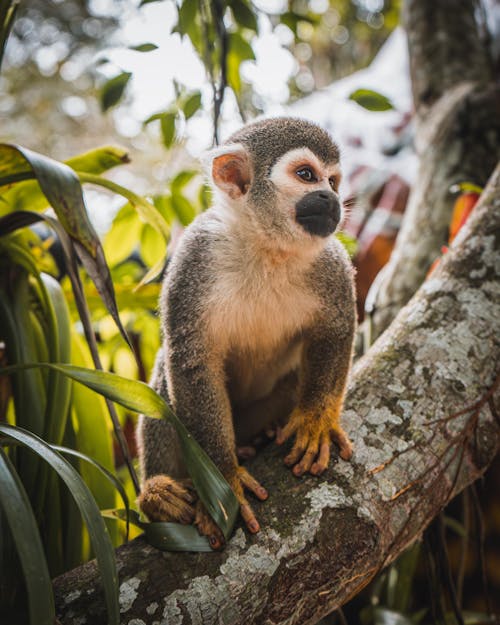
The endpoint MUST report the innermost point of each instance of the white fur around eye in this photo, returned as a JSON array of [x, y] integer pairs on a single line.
[[284, 172]]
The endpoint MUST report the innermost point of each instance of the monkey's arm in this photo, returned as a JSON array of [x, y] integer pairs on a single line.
[[193, 373], [326, 362]]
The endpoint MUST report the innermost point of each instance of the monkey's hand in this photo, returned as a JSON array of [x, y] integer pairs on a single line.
[[164, 499], [239, 479], [314, 431]]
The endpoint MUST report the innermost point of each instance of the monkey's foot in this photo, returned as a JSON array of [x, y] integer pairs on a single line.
[[164, 499], [208, 527], [314, 432]]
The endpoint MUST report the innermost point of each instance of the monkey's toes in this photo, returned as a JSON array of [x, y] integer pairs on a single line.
[[250, 483], [207, 527], [164, 499], [249, 518], [345, 445]]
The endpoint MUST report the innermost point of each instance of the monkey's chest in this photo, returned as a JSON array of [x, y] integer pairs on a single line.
[[258, 324]]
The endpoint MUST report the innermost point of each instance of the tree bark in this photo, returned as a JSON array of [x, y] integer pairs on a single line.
[[457, 138], [423, 413]]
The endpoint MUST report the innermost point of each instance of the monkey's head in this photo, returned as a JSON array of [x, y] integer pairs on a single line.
[[283, 173]]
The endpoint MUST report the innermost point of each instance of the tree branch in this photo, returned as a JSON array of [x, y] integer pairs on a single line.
[[445, 48], [457, 139], [422, 411]]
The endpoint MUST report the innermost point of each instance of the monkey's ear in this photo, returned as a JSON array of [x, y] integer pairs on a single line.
[[231, 170]]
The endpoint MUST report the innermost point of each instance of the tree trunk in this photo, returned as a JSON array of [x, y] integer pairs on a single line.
[[423, 413], [457, 138]]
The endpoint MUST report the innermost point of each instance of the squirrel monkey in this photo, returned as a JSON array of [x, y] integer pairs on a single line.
[[258, 320]]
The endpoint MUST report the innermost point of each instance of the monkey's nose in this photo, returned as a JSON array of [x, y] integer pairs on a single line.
[[318, 212], [325, 195]]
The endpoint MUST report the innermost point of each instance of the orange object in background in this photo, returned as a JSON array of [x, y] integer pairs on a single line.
[[464, 204], [462, 208]]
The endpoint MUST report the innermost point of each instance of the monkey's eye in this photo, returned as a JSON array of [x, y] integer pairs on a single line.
[[306, 174], [333, 183]]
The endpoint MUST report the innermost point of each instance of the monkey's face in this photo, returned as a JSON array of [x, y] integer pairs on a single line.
[[294, 197], [307, 192]]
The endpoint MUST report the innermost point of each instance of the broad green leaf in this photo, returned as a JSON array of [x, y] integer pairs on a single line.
[[93, 436], [191, 104], [99, 160], [243, 14], [19, 515], [61, 186], [183, 208], [113, 89], [241, 48], [144, 207], [187, 15], [175, 537], [97, 529], [122, 238], [164, 536], [153, 247], [371, 100], [167, 125], [210, 485], [178, 183], [144, 47], [28, 195]]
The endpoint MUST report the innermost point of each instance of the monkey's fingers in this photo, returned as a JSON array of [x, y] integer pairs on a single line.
[[322, 460], [251, 484], [249, 518], [342, 440], [284, 433], [207, 527]]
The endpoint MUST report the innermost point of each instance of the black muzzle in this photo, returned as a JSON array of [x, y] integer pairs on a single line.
[[318, 213]]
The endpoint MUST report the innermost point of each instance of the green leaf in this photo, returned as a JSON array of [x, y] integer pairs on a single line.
[[167, 125], [99, 160], [183, 208], [349, 242], [97, 529], [144, 47], [112, 90], [121, 239], [112, 479], [466, 187], [164, 536], [210, 485], [153, 248], [191, 104], [187, 15], [63, 190], [143, 2], [16, 507], [178, 183], [371, 100], [243, 14], [241, 47], [29, 195]]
